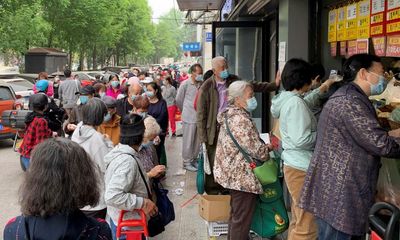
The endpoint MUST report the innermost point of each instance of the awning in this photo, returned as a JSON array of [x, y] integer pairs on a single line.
[[199, 5]]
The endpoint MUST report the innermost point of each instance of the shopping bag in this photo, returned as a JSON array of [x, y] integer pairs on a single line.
[[388, 188], [200, 179]]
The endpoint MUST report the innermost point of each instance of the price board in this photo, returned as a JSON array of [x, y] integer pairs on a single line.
[[363, 19], [393, 17], [343, 50], [378, 18], [351, 48], [379, 44], [393, 46], [333, 49], [351, 22], [332, 25], [341, 24], [362, 46]]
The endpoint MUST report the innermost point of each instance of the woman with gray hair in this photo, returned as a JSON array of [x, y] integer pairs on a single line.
[[231, 169], [96, 145]]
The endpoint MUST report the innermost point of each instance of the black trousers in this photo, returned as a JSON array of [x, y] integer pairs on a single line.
[[243, 205]]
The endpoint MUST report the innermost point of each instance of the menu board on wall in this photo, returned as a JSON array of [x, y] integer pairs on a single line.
[[332, 25], [379, 44], [333, 49], [351, 48], [393, 46], [393, 17], [362, 45], [351, 23], [378, 18], [341, 24], [343, 50], [363, 19]]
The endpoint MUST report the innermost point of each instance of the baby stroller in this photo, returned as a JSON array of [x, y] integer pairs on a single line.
[[384, 221]]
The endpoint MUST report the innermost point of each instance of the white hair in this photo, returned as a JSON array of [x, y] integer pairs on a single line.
[[151, 127], [236, 89], [218, 62]]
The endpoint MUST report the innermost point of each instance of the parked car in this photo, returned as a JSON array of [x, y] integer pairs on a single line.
[[21, 87], [85, 78], [8, 101]]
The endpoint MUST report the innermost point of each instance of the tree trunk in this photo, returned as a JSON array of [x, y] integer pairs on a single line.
[[94, 66]]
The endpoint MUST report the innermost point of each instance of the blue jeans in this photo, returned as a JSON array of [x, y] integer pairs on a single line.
[[25, 162], [327, 232], [114, 231]]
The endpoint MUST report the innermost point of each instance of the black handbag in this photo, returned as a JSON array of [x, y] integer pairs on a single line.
[[164, 205]]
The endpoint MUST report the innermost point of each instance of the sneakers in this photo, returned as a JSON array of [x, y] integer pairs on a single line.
[[189, 167]]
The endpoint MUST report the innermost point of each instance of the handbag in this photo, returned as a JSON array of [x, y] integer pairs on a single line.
[[265, 171], [270, 217], [164, 205], [200, 178]]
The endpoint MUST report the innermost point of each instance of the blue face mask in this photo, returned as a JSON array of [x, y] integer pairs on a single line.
[[251, 104], [224, 74], [143, 114], [199, 78], [102, 94], [84, 99], [150, 94], [133, 97], [107, 117], [144, 89], [148, 144], [379, 88], [115, 84]]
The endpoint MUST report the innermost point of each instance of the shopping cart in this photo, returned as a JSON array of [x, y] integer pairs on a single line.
[[382, 226], [124, 225]]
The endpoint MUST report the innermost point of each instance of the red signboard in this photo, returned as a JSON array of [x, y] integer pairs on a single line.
[[378, 18], [393, 16], [393, 46], [333, 49], [362, 46], [351, 48], [343, 50], [379, 44]]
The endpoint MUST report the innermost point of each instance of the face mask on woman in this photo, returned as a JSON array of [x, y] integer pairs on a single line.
[[102, 94], [107, 117], [83, 99], [251, 104], [199, 78], [150, 94], [224, 74], [378, 88], [115, 84]]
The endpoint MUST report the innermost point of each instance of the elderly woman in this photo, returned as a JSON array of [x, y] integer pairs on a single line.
[[110, 125], [96, 145], [231, 170], [340, 184], [298, 128], [61, 180]]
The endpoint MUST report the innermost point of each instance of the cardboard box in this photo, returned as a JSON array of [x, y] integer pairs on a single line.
[[215, 208]]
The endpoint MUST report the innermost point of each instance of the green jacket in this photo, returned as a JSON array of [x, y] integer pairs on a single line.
[[207, 106]]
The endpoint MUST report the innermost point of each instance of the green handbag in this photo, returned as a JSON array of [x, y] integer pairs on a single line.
[[270, 217], [265, 171], [200, 174]]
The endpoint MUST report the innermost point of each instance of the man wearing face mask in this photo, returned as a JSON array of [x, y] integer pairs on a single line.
[[185, 98], [212, 100], [75, 117], [125, 105], [110, 126]]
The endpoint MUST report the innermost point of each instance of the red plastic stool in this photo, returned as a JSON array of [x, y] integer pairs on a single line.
[[132, 234]]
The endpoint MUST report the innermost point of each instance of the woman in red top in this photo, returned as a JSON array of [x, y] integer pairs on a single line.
[[37, 129]]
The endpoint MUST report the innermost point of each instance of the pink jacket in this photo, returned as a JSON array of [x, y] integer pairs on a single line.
[[114, 94], [50, 89]]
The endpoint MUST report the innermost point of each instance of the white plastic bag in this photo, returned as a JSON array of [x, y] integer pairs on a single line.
[[207, 168], [388, 188]]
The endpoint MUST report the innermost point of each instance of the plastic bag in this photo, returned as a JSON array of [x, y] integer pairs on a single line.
[[388, 187]]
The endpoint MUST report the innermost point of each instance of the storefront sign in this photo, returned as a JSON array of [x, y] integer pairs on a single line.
[[332, 22], [363, 19], [351, 23], [379, 44], [341, 24], [333, 49], [343, 50], [362, 45], [351, 48], [378, 18], [208, 36], [393, 46], [393, 16]]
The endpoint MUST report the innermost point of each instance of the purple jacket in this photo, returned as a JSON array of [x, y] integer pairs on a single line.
[[341, 180]]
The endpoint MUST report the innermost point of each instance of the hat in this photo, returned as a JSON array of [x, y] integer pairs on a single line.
[[132, 125], [87, 90], [133, 80], [110, 102], [148, 80], [42, 85], [38, 100]]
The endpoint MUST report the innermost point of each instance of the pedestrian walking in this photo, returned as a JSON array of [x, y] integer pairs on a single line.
[[67, 92], [169, 94]]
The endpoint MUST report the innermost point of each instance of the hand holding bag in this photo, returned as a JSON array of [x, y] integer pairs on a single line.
[[266, 172]]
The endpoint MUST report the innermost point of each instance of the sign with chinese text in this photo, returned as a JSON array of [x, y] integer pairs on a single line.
[[351, 23], [333, 49], [362, 45], [363, 18], [393, 46], [393, 16], [351, 48], [379, 44], [191, 46], [341, 24], [343, 46], [378, 18], [332, 21], [208, 36]]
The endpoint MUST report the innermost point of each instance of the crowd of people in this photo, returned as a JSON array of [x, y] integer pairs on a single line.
[[84, 158]]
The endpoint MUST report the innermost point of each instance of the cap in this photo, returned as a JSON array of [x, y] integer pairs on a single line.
[[110, 102], [38, 100], [42, 85], [132, 126], [87, 90], [148, 80]]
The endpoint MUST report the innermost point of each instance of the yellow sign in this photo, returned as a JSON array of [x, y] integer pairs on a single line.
[[377, 30], [393, 15], [363, 18], [393, 27], [341, 24], [332, 25], [351, 26]]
